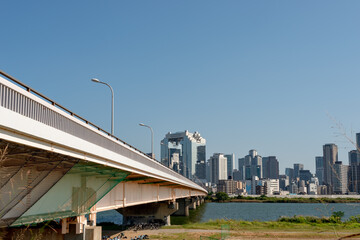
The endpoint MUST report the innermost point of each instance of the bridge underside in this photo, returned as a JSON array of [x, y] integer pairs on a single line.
[[37, 185]]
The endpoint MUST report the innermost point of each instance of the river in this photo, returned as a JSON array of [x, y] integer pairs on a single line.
[[255, 211]]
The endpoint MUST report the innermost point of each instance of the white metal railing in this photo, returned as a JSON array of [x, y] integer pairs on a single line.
[[19, 103]]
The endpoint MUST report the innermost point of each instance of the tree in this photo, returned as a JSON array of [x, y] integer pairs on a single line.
[[221, 196], [337, 216]]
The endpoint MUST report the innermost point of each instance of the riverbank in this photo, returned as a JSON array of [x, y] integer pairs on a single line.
[[250, 230], [266, 199]]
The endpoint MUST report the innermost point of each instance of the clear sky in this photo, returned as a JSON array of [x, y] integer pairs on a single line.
[[262, 75]]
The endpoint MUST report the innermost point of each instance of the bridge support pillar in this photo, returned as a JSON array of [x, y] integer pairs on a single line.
[[193, 204], [183, 207], [78, 229], [147, 213], [198, 202]]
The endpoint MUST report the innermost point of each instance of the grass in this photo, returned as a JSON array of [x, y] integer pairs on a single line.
[[238, 225], [263, 230]]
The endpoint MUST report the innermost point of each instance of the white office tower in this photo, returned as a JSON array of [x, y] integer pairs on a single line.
[[184, 152], [218, 167]]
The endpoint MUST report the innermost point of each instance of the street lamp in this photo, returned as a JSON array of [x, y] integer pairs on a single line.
[[152, 138], [112, 102]]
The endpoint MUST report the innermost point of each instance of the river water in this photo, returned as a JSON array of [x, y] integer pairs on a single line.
[[256, 211]]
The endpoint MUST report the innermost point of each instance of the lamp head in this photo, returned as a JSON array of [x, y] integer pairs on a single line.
[[95, 80], [141, 124]]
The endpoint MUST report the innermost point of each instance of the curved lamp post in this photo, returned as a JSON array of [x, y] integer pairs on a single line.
[[152, 138], [112, 102]]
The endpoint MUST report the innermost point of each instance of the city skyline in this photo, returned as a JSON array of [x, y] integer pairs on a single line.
[[278, 72]]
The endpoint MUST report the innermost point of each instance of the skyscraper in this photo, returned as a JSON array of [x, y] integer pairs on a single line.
[[241, 167], [290, 172], [354, 167], [271, 169], [358, 141], [305, 175], [330, 156], [230, 164], [251, 165], [218, 167], [340, 178], [319, 163], [182, 151], [297, 168]]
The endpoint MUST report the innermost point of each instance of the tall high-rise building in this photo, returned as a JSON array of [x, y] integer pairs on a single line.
[[241, 168], [305, 175], [182, 151], [218, 167], [256, 166], [319, 164], [271, 169], [354, 167], [290, 173], [297, 168], [340, 178], [330, 156], [354, 157], [358, 141], [251, 165], [230, 164]]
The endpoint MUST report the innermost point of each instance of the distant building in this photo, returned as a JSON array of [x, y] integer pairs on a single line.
[[354, 179], [290, 173], [284, 182], [319, 163], [340, 178], [354, 168], [251, 165], [200, 170], [305, 175], [230, 187], [271, 169], [218, 167], [182, 151], [312, 189], [230, 164], [260, 190], [294, 189], [241, 167], [272, 186], [297, 168], [322, 190], [302, 187], [354, 157], [330, 156], [237, 175]]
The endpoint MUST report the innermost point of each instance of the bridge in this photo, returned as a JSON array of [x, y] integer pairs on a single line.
[[56, 165]]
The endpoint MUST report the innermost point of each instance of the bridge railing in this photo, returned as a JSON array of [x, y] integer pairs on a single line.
[[20, 103]]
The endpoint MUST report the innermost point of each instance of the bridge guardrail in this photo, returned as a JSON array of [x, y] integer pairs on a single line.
[[18, 102]]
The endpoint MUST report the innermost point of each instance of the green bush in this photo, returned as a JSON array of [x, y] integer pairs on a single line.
[[221, 196], [354, 219], [336, 216]]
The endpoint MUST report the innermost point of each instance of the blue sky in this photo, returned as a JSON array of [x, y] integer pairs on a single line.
[[262, 75]]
